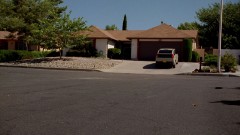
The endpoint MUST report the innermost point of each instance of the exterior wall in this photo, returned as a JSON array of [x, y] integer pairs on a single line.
[[201, 53], [111, 44], [11, 45], [171, 40], [194, 45], [34, 47], [234, 52], [134, 49], [163, 40], [65, 50], [102, 46], [148, 39], [215, 51]]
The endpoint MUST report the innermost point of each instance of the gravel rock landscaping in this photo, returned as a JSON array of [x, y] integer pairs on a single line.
[[67, 62]]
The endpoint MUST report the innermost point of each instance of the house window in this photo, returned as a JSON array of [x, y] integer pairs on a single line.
[[3, 45], [20, 46]]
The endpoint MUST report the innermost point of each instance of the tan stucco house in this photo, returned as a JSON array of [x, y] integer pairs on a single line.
[[6, 41], [141, 44]]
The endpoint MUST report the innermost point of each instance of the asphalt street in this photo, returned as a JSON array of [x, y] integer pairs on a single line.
[[56, 102]]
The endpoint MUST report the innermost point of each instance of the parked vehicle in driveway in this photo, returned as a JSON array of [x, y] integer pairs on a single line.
[[167, 56]]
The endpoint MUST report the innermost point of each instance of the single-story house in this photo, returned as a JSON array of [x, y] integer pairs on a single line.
[[141, 44], [10, 41], [6, 41]]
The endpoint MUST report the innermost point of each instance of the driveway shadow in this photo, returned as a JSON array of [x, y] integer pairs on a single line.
[[154, 66], [236, 88], [228, 102]]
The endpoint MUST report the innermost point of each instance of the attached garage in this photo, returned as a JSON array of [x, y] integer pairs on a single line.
[[146, 44], [147, 49]]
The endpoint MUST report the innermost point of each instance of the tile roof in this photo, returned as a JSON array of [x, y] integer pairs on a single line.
[[95, 32], [192, 33], [161, 31], [123, 35], [5, 34]]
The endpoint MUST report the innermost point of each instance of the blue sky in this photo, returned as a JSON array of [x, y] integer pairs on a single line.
[[141, 14]]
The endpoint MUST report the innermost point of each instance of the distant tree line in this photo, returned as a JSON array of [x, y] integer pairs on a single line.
[[114, 27], [208, 25], [41, 22]]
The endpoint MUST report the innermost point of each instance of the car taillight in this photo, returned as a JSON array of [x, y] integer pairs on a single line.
[[172, 55]]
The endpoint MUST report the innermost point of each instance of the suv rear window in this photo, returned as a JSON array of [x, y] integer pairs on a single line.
[[165, 51]]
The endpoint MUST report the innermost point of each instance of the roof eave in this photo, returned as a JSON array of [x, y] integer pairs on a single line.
[[102, 38], [160, 37]]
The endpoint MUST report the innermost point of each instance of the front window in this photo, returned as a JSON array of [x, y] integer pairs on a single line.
[[3, 45]]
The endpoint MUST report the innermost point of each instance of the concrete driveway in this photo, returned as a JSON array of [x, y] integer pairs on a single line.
[[149, 67]]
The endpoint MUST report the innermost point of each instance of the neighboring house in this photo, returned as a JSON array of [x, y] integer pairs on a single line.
[[141, 44], [7, 42], [10, 41]]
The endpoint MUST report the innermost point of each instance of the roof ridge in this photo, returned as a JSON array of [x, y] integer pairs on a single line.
[[162, 31], [190, 32], [171, 27], [105, 33]]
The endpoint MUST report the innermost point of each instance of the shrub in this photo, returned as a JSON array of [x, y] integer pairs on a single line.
[[86, 50], [195, 56], [13, 55], [52, 54], [114, 53], [82, 53], [74, 53], [228, 62], [211, 60], [9, 55], [187, 50]]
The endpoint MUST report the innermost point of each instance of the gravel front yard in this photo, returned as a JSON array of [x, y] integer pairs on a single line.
[[67, 62]]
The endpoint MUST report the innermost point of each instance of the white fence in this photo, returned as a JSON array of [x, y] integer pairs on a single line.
[[234, 52]]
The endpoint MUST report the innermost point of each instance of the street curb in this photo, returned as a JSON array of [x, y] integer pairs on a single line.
[[95, 70], [52, 68], [210, 74]]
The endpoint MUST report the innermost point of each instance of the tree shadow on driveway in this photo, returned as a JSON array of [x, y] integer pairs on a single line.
[[228, 102], [154, 66]]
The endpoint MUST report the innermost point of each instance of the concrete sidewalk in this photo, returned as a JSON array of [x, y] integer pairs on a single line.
[[148, 67]]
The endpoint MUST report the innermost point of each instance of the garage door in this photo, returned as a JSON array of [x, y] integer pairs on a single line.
[[147, 49]]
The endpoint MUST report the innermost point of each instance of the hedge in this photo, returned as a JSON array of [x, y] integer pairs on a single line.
[[87, 50], [187, 50], [13, 55], [211, 60], [195, 57], [82, 53], [229, 62], [114, 53]]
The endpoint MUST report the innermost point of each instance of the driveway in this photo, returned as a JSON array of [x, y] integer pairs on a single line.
[[149, 67]]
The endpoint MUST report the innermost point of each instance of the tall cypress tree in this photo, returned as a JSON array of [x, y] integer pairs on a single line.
[[124, 26]]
